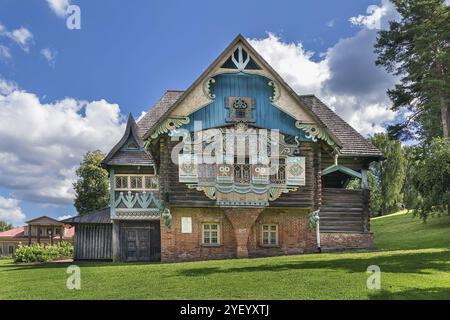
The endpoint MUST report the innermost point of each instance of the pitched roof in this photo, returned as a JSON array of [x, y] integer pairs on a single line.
[[44, 220], [141, 157], [100, 216], [19, 232], [155, 114], [254, 53], [353, 143]]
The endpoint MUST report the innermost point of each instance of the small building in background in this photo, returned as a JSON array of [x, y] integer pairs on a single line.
[[42, 230]]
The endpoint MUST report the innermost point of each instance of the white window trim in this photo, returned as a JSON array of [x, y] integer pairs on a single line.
[[269, 231], [144, 176], [218, 234]]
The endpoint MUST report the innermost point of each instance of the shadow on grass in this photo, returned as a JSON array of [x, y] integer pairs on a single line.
[[49, 265], [400, 263], [413, 294]]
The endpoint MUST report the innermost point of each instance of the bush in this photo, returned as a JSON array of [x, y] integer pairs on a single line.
[[42, 253]]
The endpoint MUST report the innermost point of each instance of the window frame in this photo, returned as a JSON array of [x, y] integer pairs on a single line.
[[144, 179], [210, 244], [270, 232]]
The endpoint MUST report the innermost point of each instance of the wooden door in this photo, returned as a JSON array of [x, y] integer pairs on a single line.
[[140, 241]]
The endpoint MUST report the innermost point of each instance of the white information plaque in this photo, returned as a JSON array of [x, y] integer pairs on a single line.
[[186, 225]]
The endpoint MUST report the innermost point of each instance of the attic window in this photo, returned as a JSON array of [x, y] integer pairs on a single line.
[[132, 146]]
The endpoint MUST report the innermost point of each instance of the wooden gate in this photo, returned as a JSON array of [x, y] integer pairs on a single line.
[[140, 241]]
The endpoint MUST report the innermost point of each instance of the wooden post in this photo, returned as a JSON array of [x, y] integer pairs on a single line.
[[39, 234], [364, 180], [366, 200], [51, 236], [116, 241], [61, 233], [29, 235]]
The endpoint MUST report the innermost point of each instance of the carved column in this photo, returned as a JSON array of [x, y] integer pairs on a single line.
[[242, 220], [317, 175]]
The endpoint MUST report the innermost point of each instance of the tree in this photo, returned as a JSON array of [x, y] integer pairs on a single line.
[[389, 173], [5, 226], [417, 49], [431, 178], [92, 186]]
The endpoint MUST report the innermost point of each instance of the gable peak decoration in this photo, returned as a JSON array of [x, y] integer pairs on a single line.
[[240, 60]]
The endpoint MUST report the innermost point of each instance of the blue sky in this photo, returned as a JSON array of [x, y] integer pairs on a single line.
[[64, 91]]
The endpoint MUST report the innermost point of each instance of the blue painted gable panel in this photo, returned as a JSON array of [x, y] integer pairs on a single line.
[[244, 85]]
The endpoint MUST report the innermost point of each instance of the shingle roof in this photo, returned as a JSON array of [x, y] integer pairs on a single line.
[[155, 113], [139, 157], [97, 216], [353, 143]]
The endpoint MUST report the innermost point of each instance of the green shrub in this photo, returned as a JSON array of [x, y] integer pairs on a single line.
[[42, 253]]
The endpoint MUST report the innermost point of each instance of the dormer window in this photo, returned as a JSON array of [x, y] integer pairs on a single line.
[[132, 146]]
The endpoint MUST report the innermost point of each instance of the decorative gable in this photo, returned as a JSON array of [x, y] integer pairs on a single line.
[[130, 150]]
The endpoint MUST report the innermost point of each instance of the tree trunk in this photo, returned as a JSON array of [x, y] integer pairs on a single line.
[[445, 117]]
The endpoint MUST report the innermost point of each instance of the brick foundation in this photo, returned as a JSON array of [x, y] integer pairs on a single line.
[[342, 241], [241, 234]]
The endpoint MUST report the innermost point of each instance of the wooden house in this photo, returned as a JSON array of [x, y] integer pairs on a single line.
[[43, 230], [232, 167]]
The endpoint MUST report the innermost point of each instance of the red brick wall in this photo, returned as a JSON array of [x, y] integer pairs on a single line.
[[336, 241], [177, 246], [294, 235]]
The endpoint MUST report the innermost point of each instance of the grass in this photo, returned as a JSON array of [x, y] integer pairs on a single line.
[[415, 264]]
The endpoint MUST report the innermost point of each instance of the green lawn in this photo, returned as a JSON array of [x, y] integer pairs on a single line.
[[415, 264]]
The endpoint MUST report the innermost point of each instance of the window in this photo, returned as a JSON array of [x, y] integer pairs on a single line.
[[270, 234], [1, 250], [57, 231], [132, 146], [11, 249], [121, 182], [211, 234], [136, 182], [151, 183]]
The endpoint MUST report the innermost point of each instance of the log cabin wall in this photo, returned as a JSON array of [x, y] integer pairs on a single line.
[[179, 195]]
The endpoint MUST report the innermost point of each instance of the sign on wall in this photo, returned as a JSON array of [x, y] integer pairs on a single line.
[[186, 225], [187, 168], [295, 171]]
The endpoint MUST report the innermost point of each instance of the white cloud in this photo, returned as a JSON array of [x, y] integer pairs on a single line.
[[10, 211], [22, 36], [293, 62], [41, 145], [59, 7], [143, 113], [345, 77], [377, 16], [49, 55], [372, 20], [5, 54], [331, 23], [64, 217], [6, 87]]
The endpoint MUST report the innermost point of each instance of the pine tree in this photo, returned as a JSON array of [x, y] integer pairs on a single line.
[[417, 49]]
